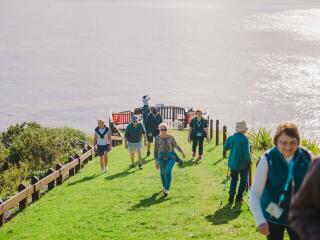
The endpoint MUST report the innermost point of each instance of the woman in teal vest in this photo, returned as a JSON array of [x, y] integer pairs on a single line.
[[279, 175]]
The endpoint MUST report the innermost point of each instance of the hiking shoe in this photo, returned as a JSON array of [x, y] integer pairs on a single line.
[[180, 163], [148, 153], [140, 166], [165, 192], [193, 154]]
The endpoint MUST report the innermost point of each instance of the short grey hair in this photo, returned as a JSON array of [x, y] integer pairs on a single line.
[[163, 125]]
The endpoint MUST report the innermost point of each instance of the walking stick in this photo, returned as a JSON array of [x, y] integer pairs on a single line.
[[224, 189]]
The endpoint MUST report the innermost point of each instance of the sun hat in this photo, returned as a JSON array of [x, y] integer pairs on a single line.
[[241, 126]]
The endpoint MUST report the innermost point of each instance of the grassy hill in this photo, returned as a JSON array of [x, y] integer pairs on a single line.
[[128, 204]]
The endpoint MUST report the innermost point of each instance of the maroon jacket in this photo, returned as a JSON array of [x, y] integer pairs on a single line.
[[304, 215]]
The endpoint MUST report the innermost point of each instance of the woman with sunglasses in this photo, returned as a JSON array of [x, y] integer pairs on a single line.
[[166, 157], [198, 130], [279, 175]]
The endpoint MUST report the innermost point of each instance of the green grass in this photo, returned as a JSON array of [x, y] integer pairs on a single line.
[[127, 204]]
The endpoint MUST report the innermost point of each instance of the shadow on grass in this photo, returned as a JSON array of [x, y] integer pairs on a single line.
[[149, 201], [84, 179], [190, 163], [125, 173], [225, 214], [217, 162]]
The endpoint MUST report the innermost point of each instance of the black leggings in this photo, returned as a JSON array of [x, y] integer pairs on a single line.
[[277, 232], [195, 142]]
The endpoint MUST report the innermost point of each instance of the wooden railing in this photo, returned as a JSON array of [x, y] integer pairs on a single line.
[[55, 177]]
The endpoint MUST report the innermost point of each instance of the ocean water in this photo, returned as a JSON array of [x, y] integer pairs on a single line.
[[69, 62]]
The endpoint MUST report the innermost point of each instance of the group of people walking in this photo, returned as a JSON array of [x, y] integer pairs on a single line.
[[281, 197]]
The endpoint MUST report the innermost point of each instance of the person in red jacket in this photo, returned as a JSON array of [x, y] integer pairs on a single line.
[[304, 215]]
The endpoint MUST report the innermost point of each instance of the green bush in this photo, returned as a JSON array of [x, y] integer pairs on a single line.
[[261, 140], [311, 145], [32, 149]]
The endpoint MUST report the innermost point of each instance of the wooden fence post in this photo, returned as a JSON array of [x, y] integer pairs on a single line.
[[217, 132], [1, 215], [90, 157], [78, 166], [23, 202], [71, 170], [36, 194], [85, 160], [211, 129], [224, 134], [60, 178], [50, 184]]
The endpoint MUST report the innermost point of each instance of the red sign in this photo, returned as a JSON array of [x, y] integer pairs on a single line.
[[120, 118]]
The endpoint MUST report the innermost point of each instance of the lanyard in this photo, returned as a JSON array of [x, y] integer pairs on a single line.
[[289, 180]]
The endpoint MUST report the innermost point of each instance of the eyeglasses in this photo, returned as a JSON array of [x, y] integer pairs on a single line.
[[163, 129], [290, 143]]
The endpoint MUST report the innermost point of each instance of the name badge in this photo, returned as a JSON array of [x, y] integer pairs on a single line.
[[199, 134], [274, 210]]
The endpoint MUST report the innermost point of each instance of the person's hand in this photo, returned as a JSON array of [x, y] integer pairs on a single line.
[[110, 147], [157, 165], [264, 229], [183, 155], [189, 139]]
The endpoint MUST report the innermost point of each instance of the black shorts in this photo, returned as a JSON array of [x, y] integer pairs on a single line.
[[101, 149]]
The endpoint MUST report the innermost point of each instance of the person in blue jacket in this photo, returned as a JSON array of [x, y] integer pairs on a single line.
[[239, 160]]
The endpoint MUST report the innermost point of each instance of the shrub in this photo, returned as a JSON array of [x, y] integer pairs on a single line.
[[261, 140], [311, 145]]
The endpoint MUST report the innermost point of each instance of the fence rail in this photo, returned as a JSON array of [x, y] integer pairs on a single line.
[[54, 178]]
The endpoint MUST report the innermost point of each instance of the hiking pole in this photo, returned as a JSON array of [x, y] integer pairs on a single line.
[[224, 189]]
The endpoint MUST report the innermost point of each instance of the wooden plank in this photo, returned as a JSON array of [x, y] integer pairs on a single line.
[[70, 165], [14, 201], [44, 182]]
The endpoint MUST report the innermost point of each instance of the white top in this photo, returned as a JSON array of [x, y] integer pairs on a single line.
[[102, 141], [257, 189], [145, 100]]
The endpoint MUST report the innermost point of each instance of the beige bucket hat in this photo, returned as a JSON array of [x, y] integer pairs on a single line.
[[241, 126]]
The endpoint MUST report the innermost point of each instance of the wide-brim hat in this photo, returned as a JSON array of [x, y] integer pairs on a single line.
[[241, 126]]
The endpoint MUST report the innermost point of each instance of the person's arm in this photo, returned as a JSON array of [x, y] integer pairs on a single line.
[[110, 141], [304, 214], [175, 145], [156, 150], [95, 141], [190, 130], [246, 152], [256, 193], [144, 134], [126, 135], [226, 147]]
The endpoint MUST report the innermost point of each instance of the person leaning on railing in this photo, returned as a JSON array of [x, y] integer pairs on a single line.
[[304, 213], [279, 175]]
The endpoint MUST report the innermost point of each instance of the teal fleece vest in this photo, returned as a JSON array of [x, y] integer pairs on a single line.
[[277, 177]]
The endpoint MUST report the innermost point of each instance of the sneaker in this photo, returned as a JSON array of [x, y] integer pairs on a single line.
[[199, 157], [148, 153], [165, 192], [140, 166], [180, 163], [103, 170], [193, 154]]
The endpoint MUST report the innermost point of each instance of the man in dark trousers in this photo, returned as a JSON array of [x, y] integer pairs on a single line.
[[151, 124]]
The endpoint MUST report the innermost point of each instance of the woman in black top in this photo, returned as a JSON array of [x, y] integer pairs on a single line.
[[198, 130]]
